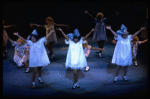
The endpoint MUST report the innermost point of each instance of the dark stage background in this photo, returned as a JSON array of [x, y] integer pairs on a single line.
[[132, 14]]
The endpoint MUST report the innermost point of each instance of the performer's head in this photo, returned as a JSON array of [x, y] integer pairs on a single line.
[[49, 20], [20, 42], [85, 44], [34, 38], [76, 39], [135, 39], [99, 16], [125, 34]]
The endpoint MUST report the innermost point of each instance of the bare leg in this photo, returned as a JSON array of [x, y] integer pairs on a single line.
[[26, 64], [39, 71], [76, 76], [125, 70], [117, 71], [34, 73]]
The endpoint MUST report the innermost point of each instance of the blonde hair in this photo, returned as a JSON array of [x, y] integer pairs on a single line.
[[99, 14], [49, 19], [135, 39], [20, 40]]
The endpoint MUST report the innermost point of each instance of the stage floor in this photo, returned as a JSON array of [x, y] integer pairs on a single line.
[[58, 81]]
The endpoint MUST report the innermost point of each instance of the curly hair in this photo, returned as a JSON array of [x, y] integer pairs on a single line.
[[20, 40], [49, 19], [135, 39], [99, 16]]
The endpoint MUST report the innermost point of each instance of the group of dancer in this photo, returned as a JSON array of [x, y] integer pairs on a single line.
[[33, 53]]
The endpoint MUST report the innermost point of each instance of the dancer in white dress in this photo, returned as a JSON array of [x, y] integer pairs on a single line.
[[122, 54], [19, 56], [38, 55], [75, 57]]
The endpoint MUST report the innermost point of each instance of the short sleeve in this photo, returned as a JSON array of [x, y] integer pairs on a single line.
[[117, 38], [15, 43], [105, 20], [139, 42], [89, 47], [95, 20], [129, 36], [67, 42], [81, 40], [29, 42], [43, 40]]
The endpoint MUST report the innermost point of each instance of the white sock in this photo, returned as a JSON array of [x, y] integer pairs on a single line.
[[116, 77], [33, 83], [39, 78]]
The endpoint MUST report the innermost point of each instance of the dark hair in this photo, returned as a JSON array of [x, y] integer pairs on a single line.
[[79, 37], [36, 36]]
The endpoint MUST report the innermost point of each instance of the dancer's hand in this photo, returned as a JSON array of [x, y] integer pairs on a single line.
[[31, 25], [15, 33], [108, 27], [93, 30], [114, 41], [86, 11], [117, 13], [59, 29], [142, 28]]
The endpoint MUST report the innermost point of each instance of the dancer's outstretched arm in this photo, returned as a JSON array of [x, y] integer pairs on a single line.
[[109, 28], [136, 33], [144, 41], [20, 37], [86, 11], [89, 33], [8, 26], [62, 25], [96, 48], [63, 33], [32, 24]]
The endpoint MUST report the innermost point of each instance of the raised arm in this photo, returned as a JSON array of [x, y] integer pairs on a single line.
[[63, 33], [8, 26], [86, 11], [11, 40], [109, 28], [32, 24], [20, 37], [89, 33], [136, 33]]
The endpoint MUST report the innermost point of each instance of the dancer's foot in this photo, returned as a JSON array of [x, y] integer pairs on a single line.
[[33, 85], [87, 68], [135, 63], [40, 80], [100, 55], [116, 78], [53, 56], [27, 70], [125, 78], [76, 85]]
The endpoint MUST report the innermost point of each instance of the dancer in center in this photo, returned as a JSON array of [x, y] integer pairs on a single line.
[[75, 57]]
